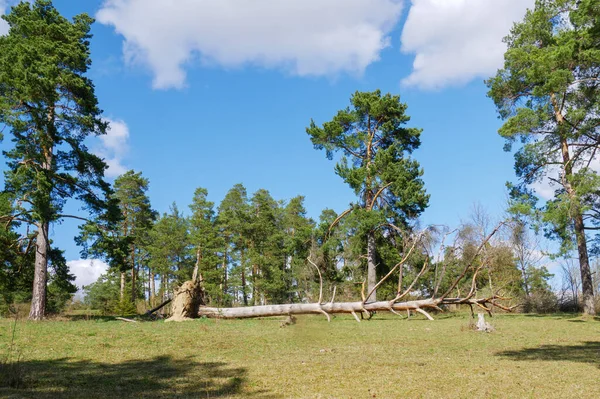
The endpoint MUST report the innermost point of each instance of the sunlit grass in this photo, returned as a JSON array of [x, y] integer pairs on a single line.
[[526, 357]]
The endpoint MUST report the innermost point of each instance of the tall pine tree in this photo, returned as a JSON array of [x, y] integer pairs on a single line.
[[375, 163], [548, 93], [50, 108]]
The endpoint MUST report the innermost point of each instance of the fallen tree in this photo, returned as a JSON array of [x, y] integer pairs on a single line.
[[353, 308], [395, 305]]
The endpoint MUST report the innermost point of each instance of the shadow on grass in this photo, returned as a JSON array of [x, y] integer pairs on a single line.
[[556, 316], [586, 352], [161, 377]]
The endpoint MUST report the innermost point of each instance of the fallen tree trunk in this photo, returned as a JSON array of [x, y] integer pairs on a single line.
[[188, 299], [353, 308]]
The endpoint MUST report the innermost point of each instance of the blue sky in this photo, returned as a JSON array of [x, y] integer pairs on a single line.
[[210, 96]]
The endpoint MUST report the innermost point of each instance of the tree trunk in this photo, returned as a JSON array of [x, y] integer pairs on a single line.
[[225, 278], [152, 287], [587, 286], [122, 289], [337, 307], [149, 289], [242, 265], [371, 267], [133, 276], [253, 285], [524, 277], [197, 265], [576, 217], [38, 299]]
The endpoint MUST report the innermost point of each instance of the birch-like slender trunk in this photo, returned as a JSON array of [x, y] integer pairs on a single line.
[[243, 266], [152, 287], [122, 288], [197, 265], [133, 276]]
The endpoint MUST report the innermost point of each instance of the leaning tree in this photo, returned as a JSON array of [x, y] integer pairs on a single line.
[[375, 146], [49, 107], [548, 93]]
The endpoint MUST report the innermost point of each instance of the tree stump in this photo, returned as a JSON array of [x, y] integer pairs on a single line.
[[186, 301], [483, 325]]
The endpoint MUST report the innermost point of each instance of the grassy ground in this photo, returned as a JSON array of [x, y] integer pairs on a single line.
[[526, 357]]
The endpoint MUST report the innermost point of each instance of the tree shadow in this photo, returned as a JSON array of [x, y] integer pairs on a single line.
[[555, 316], [586, 352], [160, 377]]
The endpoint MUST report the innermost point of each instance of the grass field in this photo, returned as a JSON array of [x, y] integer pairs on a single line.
[[526, 357]]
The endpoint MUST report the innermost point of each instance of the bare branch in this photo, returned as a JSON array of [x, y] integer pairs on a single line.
[[320, 279], [470, 264]]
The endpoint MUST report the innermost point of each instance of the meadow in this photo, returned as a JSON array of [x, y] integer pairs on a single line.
[[527, 356]]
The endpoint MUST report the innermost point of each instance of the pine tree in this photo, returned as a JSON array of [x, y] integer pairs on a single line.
[[297, 241], [375, 164], [549, 96], [207, 245], [169, 249], [50, 108], [233, 222], [265, 245], [137, 220]]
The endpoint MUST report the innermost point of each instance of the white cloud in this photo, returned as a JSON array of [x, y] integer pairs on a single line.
[[3, 23], [303, 37], [456, 41], [114, 147], [86, 272]]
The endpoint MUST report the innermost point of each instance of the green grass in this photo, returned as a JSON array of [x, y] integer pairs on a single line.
[[526, 357]]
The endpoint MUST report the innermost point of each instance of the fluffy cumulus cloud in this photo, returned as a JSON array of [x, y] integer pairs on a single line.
[[303, 37], [114, 147], [455, 41], [86, 271]]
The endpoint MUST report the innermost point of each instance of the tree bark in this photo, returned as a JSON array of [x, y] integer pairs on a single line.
[[197, 265], [371, 267], [242, 265], [225, 279], [38, 299], [584, 265], [576, 217], [122, 289], [254, 267], [337, 307], [133, 276], [152, 288]]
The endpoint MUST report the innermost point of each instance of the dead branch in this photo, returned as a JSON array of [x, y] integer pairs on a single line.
[[401, 263], [165, 303], [125, 319], [470, 264]]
